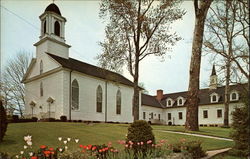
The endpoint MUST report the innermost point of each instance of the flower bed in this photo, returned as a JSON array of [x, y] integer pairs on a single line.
[[106, 151]]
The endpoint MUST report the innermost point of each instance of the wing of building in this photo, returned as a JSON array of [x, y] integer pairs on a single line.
[[57, 85], [170, 108]]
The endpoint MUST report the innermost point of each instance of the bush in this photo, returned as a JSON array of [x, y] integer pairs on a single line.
[[15, 118], [34, 119], [241, 131], [195, 149], [63, 118], [140, 132], [3, 121]]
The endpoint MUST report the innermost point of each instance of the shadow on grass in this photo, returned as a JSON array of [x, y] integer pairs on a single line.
[[8, 142]]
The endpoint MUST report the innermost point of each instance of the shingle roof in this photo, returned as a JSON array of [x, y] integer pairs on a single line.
[[204, 94], [149, 100], [91, 70]]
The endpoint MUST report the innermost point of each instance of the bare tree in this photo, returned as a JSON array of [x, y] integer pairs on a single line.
[[201, 8], [12, 89], [227, 37], [137, 29]]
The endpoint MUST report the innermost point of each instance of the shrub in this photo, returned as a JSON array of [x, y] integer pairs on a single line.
[[3, 121], [140, 132], [63, 118], [195, 149], [241, 131], [15, 118], [177, 148], [34, 119]]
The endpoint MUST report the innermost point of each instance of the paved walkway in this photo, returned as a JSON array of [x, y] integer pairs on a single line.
[[198, 135], [215, 152]]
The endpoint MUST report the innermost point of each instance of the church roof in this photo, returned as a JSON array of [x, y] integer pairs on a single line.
[[91, 70], [149, 100], [53, 8]]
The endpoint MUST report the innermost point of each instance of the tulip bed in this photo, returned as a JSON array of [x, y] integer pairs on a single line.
[[50, 137]]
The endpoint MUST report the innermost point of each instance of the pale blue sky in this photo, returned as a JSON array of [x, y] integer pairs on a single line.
[[20, 29]]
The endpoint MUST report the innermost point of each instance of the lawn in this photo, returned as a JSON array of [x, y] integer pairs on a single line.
[[46, 133], [211, 131]]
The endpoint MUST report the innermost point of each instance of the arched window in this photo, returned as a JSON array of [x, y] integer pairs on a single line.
[[169, 102], [41, 89], [41, 67], [180, 101], [214, 98], [75, 95], [234, 96], [118, 102], [44, 27], [99, 99], [57, 28]]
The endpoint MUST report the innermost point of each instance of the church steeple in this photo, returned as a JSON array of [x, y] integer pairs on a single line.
[[213, 79], [52, 38], [52, 23]]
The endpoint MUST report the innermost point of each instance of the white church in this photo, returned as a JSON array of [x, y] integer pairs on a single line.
[[57, 85]]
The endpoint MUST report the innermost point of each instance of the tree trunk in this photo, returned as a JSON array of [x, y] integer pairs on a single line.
[[226, 103], [136, 91], [194, 73]]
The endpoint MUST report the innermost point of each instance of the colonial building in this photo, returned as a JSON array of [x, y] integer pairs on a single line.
[[170, 108], [57, 85]]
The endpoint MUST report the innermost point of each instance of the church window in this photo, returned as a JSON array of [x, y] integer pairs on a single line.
[[41, 89], [57, 28], [44, 27], [159, 116], [75, 95], [99, 99], [41, 67], [118, 102]]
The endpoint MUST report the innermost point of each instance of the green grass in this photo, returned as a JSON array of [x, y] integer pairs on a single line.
[[47, 134], [226, 156], [211, 131]]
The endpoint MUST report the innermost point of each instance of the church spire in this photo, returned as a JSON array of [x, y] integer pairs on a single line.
[[213, 79], [213, 71]]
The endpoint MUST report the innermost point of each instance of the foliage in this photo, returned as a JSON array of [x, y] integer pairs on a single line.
[[191, 147], [195, 149], [140, 133], [3, 121], [241, 132], [63, 118]]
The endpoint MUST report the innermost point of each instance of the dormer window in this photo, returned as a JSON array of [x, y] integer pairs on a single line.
[[234, 96], [180, 101], [169, 102], [214, 98]]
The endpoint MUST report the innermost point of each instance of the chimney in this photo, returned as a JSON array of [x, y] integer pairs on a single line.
[[159, 94]]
